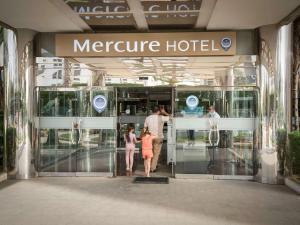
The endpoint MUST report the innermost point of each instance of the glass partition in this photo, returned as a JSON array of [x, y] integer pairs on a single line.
[[68, 102], [225, 146], [60, 152], [230, 103], [66, 90], [73, 136]]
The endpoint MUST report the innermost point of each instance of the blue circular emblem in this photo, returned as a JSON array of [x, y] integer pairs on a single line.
[[226, 43], [192, 102], [99, 103]]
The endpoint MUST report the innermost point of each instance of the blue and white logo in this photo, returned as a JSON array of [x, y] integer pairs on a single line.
[[192, 102], [99, 103], [226, 43]]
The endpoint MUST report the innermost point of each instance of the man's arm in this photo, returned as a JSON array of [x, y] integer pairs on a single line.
[[164, 113], [165, 116]]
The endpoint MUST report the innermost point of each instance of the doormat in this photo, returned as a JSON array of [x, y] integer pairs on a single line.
[[151, 180]]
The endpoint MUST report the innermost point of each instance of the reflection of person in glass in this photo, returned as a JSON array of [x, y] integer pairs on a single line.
[[189, 111], [76, 134], [213, 136]]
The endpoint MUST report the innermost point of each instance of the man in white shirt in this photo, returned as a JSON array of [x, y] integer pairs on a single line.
[[155, 124], [212, 113], [213, 116], [213, 136]]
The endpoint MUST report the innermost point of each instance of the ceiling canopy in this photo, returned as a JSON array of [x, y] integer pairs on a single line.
[[145, 15]]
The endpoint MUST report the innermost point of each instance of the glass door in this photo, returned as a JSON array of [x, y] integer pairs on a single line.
[[76, 131], [215, 131]]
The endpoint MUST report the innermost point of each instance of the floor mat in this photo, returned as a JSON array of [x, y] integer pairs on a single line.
[[151, 180]]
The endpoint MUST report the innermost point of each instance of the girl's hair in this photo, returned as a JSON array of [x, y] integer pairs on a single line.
[[144, 132], [127, 134]]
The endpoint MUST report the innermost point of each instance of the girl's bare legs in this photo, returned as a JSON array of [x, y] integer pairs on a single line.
[[131, 157], [145, 166], [148, 167], [127, 159]]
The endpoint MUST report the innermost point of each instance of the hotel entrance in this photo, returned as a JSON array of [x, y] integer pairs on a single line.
[[98, 85], [85, 105], [133, 106]]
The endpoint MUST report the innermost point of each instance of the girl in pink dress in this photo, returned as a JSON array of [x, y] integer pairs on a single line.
[[130, 140]]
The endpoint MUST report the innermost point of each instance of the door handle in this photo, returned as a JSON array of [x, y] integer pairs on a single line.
[[72, 132], [76, 125], [79, 131]]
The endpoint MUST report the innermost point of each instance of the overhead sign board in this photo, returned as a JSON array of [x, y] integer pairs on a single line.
[[150, 7], [146, 44]]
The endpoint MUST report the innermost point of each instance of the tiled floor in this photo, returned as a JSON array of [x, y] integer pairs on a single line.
[[105, 201]]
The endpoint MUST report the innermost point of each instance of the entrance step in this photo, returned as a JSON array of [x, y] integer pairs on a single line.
[[151, 180]]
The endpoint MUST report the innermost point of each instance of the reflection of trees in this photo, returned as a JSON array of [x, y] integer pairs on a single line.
[[296, 75], [1, 73], [1, 104]]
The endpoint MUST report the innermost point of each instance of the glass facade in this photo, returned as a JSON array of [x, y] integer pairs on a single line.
[[68, 135], [65, 92]]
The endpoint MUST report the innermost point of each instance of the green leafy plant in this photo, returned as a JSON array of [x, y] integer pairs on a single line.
[[11, 148], [294, 152], [281, 141]]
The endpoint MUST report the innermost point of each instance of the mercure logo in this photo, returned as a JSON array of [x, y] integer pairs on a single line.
[[144, 46]]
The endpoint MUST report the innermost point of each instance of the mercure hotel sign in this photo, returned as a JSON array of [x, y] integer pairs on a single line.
[[146, 44]]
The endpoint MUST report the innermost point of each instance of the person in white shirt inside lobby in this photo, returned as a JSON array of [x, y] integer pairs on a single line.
[[212, 113], [155, 124], [214, 135]]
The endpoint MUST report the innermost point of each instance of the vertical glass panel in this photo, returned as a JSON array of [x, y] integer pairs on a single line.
[[206, 98], [228, 104], [70, 104], [60, 104], [192, 152], [74, 103], [241, 103], [96, 151], [76, 149], [89, 150], [233, 154], [47, 103], [57, 151]]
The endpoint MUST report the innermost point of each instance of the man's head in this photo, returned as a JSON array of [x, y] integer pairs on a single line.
[[156, 110], [211, 109]]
